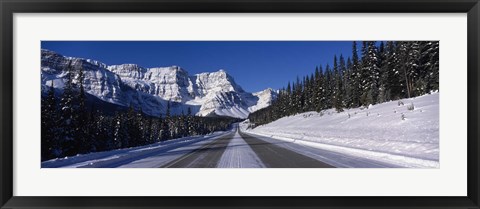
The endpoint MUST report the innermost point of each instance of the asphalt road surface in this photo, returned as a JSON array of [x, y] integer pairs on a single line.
[[270, 154], [274, 156], [206, 156]]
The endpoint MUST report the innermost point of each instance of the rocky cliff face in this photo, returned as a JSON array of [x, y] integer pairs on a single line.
[[206, 94]]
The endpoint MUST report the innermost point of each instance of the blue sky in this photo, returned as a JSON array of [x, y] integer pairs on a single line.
[[255, 65]]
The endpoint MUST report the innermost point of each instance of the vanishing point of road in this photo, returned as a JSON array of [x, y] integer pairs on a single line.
[[240, 147]]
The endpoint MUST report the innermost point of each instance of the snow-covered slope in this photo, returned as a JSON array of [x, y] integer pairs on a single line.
[[265, 99], [403, 132], [207, 94]]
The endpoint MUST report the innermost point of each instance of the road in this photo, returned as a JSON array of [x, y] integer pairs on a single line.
[[206, 156], [239, 149], [230, 149]]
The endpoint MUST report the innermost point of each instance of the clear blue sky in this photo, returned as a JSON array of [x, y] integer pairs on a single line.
[[255, 65]]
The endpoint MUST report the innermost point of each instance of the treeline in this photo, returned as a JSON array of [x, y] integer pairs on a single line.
[[70, 128], [385, 71]]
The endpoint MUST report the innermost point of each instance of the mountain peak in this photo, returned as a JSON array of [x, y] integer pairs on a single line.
[[178, 69], [128, 65], [220, 72], [47, 51], [149, 89], [266, 91]]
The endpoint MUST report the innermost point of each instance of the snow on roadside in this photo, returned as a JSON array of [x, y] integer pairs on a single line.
[[120, 157], [238, 154], [390, 132]]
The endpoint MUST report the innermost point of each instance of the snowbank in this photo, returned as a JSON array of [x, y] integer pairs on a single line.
[[403, 132]]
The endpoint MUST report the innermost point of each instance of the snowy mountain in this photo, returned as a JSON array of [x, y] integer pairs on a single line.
[[265, 99], [206, 94]]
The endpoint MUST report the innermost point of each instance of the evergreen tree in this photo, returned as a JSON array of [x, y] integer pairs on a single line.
[[337, 90], [311, 93], [145, 126], [413, 69], [369, 74], [165, 135], [383, 94], [67, 115], [428, 78], [396, 80], [320, 91], [155, 130], [307, 96], [118, 131], [50, 139], [403, 56], [432, 67], [134, 127], [328, 85], [348, 81], [102, 128], [190, 123], [355, 77], [341, 81], [83, 141], [298, 96], [290, 103]]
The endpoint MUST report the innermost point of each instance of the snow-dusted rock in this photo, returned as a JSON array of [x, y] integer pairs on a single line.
[[265, 99]]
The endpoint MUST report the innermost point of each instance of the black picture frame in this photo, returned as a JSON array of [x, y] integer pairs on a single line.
[[9, 7]]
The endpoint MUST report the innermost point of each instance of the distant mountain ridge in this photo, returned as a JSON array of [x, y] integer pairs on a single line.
[[149, 89]]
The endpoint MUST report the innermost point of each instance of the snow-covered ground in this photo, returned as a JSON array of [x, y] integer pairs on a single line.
[[390, 132], [149, 156]]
